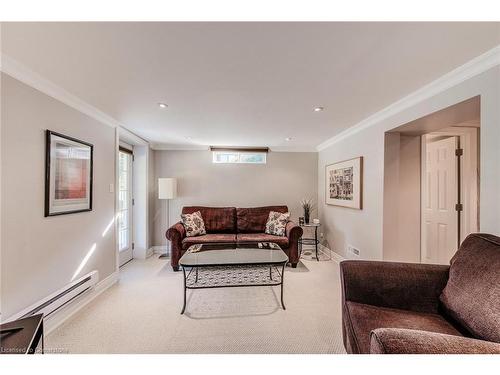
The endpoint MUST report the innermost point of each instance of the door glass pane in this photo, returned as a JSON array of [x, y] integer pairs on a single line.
[[124, 200]]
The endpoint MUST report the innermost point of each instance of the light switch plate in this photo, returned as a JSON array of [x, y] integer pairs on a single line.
[[111, 188]]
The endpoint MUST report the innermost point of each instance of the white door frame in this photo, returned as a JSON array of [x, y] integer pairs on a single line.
[[141, 176], [469, 179]]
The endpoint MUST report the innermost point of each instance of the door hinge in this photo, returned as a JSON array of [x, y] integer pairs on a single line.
[[133, 202], [133, 246], [459, 152], [459, 207]]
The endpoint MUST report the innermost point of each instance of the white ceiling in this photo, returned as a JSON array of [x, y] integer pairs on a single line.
[[243, 84]]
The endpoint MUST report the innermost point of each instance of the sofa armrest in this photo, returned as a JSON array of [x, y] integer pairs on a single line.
[[407, 286], [293, 233], [409, 341], [176, 234]]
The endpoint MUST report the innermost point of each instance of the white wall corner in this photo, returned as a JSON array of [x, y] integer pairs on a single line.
[[66, 312], [470, 69]]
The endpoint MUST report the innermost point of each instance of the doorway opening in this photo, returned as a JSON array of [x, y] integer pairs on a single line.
[[431, 184]]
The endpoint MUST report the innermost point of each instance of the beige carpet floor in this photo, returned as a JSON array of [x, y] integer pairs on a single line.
[[141, 314]]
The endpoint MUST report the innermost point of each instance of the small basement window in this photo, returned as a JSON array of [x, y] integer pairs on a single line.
[[238, 157]]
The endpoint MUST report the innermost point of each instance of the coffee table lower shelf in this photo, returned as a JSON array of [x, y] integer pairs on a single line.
[[230, 276]]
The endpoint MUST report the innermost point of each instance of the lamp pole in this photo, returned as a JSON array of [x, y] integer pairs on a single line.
[[167, 189]]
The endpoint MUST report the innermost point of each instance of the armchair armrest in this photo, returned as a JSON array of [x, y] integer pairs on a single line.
[[409, 341], [176, 234], [408, 286]]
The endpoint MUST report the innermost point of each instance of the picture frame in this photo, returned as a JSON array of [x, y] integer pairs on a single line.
[[344, 183], [68, 174]]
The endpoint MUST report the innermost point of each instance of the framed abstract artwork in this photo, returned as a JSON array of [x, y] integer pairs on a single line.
[[68, 174], [344, 182]]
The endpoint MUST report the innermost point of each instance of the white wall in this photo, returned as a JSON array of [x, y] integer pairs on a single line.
[[363, 228], [285, 179], [401, 236], [39, 254]]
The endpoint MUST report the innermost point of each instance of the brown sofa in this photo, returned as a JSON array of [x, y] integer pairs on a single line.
[[234, 225], [421, 308]]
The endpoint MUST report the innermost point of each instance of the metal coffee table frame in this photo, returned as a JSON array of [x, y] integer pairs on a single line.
[[279, 267]]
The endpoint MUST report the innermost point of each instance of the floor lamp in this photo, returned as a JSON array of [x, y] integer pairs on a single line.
[[167, 189]]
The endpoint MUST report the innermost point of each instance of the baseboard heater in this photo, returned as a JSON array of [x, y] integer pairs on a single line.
[[50, 304]]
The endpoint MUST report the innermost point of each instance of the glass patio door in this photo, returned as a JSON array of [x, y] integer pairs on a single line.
[[125, 240]]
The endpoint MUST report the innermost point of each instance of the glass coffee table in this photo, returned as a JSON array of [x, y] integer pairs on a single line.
[[233, 265]]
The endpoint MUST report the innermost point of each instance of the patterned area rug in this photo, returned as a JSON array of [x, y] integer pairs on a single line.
[[235, 275]]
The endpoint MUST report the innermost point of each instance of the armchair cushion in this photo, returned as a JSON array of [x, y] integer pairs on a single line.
[[472, 295], [409, 341], [362, 319], [405, 286]]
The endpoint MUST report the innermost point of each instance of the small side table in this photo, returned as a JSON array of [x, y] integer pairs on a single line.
[[310, 241]]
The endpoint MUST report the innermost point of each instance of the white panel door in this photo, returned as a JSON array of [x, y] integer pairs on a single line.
[[439, 197]]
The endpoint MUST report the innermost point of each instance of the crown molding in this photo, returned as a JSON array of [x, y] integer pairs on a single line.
[[178, 147], [470, 69], [130, 137], [27, 76]]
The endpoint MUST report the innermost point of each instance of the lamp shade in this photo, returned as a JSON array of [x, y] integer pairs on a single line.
[[167, 188]]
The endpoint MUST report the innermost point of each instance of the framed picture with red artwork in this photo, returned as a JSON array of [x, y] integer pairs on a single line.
[[68, 174]]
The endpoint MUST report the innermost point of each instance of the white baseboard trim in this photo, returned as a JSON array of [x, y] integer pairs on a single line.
[[159, 249], [330, 253], [66, 312]]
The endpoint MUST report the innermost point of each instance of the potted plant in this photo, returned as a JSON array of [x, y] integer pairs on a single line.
[[307, 206]]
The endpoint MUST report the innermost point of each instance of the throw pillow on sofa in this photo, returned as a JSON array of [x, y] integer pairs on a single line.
[[276, 223], [194, 224]]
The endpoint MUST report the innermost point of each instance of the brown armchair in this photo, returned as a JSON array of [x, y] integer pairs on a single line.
[[422, 308]]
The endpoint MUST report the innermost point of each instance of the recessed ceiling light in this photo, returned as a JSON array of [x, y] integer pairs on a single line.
[[318, 109], [162, 105], [288, 139]]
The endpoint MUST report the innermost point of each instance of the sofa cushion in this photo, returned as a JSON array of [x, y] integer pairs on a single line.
[[193, 224], [262, 237], [276, 223], [365, 318], [217, 219], [472, 295], [209, 238], [253, 220]]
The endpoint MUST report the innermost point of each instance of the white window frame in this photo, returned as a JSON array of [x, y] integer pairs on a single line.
[[238, 160]]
